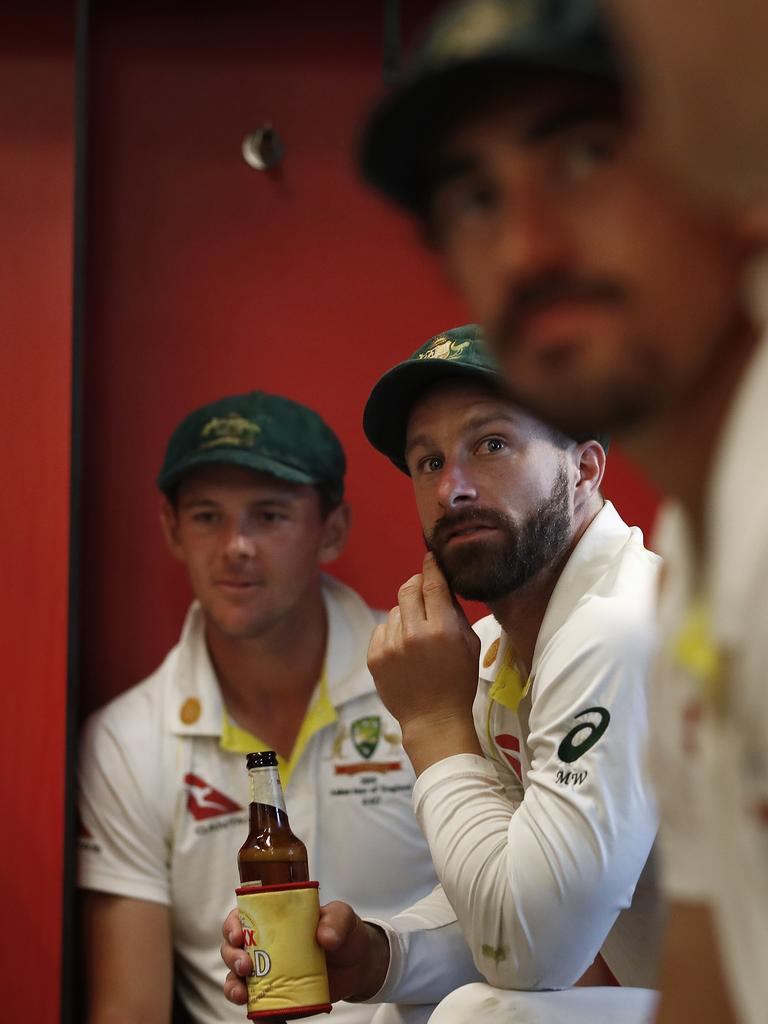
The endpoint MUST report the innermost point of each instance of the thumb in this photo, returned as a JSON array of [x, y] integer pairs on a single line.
[[336, 923]]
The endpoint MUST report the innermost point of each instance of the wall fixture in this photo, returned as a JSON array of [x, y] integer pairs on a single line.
[[263, 148]]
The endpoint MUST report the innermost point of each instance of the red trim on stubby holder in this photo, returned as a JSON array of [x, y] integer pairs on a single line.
[[299, 1011], [249, 887]]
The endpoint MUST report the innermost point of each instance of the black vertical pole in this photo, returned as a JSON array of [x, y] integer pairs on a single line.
[[70, 1013], [390, 71]]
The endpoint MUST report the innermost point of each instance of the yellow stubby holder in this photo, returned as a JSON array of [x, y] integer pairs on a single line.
[[289, 977]]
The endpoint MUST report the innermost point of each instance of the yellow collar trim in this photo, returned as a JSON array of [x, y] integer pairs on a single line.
[[510, 685], [698, 654], [319, 714]]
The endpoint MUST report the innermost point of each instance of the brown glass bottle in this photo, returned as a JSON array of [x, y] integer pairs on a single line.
[[272, 854]]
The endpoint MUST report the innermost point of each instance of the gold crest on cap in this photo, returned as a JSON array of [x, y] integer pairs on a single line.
[[443, 347], [231, 429], [479, 27]]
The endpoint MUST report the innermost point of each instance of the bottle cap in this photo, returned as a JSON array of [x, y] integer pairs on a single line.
[[261, 759]]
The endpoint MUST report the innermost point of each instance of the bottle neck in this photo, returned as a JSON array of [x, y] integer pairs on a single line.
[[264, 787]]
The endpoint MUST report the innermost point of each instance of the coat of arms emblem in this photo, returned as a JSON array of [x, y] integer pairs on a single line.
[[365, 734]]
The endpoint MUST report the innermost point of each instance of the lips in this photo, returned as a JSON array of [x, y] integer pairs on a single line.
[[469, 531], [556, 323]]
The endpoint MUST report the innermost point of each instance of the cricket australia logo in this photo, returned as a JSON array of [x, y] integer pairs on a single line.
[[365, 733], [473, 31], [231, 430], [444, 348]]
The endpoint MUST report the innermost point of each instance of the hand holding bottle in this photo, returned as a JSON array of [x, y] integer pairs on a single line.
[[357, 954]]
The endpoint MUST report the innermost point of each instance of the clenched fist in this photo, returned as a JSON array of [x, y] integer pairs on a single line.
[[424, 661]]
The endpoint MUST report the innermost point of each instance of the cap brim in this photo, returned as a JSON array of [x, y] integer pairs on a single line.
[[405, 127], [234, 457], [389, 406]]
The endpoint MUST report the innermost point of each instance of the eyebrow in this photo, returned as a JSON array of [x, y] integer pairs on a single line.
[[450, 169], [198, 502], [475, 423], [564, 116], [550, 122]]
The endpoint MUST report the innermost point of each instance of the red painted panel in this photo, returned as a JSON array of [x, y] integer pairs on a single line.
[[206, 278], [36, 192]]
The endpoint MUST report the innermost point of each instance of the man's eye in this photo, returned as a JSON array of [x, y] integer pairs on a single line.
[[477, 204], [584, 155], [204, 518], [477, 198], [465, 201], [269, 517], [431, 465], [493, 444]]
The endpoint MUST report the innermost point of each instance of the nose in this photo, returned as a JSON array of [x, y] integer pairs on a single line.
[[531, 239], [239, 543], [455, 489]]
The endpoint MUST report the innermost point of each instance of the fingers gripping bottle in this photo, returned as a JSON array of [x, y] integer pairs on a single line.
[[279, 906]]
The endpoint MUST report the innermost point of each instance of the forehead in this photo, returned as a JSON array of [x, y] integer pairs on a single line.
[[530, 110], [454, 406], [237, 483]]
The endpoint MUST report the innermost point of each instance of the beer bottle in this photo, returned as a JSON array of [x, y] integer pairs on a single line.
[[272, 854]]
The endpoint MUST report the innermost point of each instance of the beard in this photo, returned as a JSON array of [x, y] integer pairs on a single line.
[[487, 570], [579, 386]]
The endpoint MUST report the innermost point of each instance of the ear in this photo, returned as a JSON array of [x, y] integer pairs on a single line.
[[335, 533], [590, 465], [169, 523]]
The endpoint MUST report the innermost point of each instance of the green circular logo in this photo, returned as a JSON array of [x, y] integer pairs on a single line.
[[586, 733]]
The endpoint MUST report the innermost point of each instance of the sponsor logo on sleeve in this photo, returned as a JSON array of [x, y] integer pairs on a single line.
[[590, 728]]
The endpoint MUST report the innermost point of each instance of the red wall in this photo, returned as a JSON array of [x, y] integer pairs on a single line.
[[36, 193], [206, 277]]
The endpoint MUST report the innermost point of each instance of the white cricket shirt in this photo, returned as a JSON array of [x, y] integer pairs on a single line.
[[542, 846], [164, 808], [710, 709]]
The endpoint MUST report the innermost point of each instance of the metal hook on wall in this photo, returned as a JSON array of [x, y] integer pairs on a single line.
[[263, 149]]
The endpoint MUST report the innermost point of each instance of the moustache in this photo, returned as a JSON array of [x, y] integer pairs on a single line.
[[547, 290], [452, 521]]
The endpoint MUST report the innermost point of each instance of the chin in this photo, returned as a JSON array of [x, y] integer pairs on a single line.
[[473, 584], [597, 395], [603, 409], [238, 627]]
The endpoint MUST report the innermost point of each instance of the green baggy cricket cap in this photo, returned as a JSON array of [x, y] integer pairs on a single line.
[[258, 431], [458, 354], [469, 49]]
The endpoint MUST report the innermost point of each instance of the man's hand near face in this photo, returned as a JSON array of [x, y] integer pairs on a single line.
[[424, 661]]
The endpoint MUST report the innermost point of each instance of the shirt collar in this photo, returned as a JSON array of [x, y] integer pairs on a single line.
[[350, 626], [193, 704], [320, 714], [738, 500], [597, 548]]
